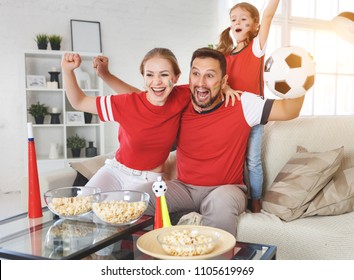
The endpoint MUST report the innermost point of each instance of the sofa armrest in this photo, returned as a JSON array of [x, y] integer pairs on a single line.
[[48, 180]]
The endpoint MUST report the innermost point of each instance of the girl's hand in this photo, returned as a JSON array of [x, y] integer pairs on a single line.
[[229, 93]]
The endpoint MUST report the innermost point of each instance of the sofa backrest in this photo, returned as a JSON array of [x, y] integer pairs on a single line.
[[316, 134]]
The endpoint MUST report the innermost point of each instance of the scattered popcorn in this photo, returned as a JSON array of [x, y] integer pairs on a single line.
[[119, 212], [187, 242]]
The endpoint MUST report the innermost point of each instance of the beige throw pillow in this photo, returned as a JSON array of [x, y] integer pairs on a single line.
[[90, 166], [336, 198], [299, 181]]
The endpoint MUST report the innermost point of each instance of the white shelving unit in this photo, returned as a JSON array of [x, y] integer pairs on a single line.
[[40, 63]]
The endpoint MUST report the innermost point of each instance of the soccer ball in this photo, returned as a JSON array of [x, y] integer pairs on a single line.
[[289, 72]]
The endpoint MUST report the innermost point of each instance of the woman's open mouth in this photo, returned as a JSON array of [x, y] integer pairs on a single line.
[[158, 91]]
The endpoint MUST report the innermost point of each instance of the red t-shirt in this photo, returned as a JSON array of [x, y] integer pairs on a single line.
[[211, 146], [146, 132], [245, 69]]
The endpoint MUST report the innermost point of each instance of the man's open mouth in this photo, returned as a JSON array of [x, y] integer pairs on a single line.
[[202, 94]]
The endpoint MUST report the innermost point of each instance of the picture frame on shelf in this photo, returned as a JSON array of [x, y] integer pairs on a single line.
[[85, 36], [75, 117], [36, 81]]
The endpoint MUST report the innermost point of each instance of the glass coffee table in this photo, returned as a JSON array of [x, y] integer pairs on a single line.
[[51, 238]]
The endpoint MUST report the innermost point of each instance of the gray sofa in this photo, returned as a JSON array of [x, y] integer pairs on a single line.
[[314, 237]]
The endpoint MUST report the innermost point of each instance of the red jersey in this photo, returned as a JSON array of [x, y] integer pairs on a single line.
[[245, 69], [146, 132], [211, 146]]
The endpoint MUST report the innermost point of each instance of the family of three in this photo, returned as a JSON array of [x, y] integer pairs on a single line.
[[211, 136]]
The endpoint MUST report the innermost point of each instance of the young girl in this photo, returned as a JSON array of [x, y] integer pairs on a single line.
[[245, 64], [148, 120]]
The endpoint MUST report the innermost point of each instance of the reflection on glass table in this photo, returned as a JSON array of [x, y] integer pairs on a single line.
[[50, 238], [67, 236]]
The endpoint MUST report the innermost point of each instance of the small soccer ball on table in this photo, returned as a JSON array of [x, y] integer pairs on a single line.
[[162, 217]]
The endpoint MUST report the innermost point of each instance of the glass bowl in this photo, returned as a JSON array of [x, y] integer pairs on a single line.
[[71, 202], [188, 241], [121, 207]]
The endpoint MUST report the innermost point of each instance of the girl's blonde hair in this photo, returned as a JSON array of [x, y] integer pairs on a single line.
[[225, 41], [164, 53]]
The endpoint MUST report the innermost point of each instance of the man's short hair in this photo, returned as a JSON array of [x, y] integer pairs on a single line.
[[208, 52]]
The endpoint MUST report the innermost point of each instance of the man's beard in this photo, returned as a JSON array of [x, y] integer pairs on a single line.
[[207, 104]]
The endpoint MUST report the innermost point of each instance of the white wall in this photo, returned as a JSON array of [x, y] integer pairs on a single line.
[[129, 29]]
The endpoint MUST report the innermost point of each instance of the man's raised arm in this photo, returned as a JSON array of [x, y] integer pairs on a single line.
[[286, 109]]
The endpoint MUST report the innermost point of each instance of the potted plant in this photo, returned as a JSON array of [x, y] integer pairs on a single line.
[[76, 143], [38, 111], [55, 41], [42, 41]]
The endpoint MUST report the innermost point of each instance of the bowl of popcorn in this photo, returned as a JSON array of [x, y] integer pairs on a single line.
[[71, 202], [121, 207], [189, 242]]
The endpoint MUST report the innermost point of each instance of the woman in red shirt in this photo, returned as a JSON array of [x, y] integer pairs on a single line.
[[148, 120]]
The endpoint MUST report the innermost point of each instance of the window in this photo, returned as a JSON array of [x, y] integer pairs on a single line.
[[307, 24]]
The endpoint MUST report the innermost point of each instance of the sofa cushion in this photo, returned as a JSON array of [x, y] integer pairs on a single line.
[[299, 181], [90, 166], [337, 197]]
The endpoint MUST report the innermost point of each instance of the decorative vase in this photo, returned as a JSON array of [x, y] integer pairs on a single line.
[[87, 117], [53, 151], [54, 77], [76, 152], [39, 119], [55, 118], [91, 151]]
